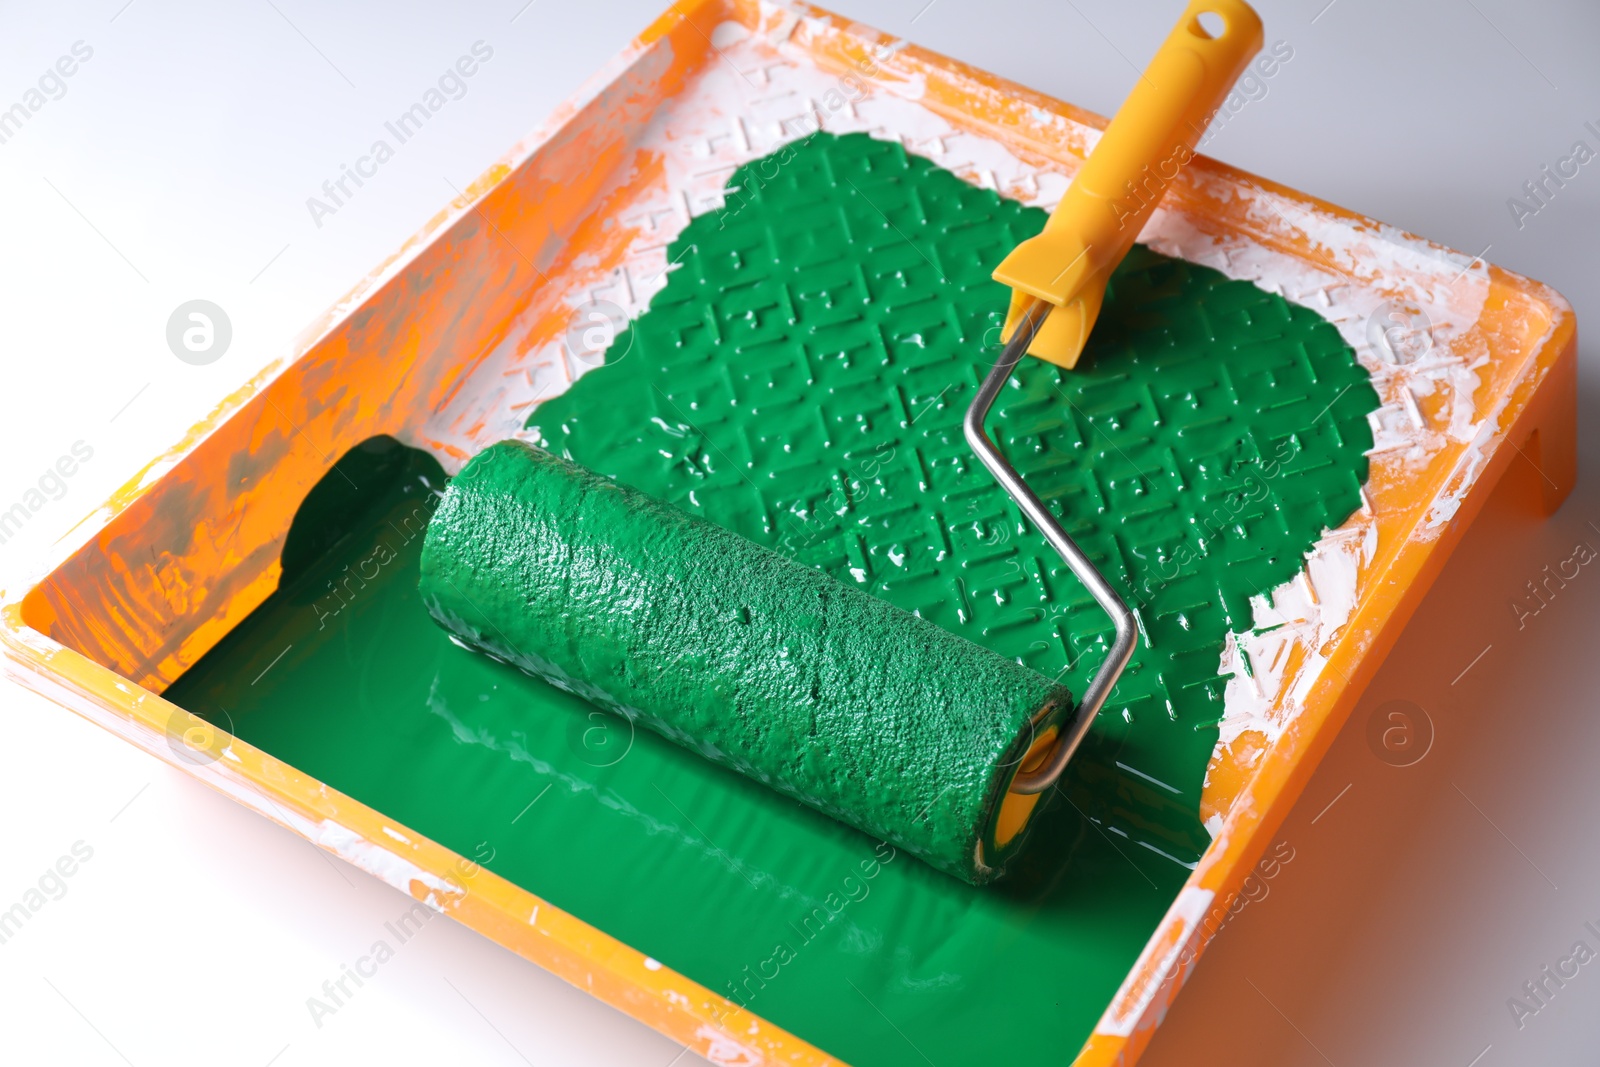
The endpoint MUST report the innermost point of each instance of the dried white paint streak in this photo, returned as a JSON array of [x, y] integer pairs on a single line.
[[724, 1051]]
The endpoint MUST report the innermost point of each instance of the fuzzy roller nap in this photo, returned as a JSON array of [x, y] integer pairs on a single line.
[[840, 700]]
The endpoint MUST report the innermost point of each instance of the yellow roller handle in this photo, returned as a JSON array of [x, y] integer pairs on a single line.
[[1147, 144]]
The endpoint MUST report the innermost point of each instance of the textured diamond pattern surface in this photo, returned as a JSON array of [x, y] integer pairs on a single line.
[[802, 377]]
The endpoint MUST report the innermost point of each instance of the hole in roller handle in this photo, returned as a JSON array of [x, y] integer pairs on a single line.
[[1208, 24], [1094, 697]]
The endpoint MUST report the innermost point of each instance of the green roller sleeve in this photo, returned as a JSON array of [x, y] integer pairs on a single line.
[[875, 716]]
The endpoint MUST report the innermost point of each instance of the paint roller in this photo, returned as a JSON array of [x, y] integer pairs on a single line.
[[870, 714]]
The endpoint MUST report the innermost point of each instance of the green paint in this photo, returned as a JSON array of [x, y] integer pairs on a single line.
[[802, 380], [828, 694], [1195, 442]]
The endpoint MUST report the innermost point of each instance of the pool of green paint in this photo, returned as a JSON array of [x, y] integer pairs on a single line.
[[801, 380]]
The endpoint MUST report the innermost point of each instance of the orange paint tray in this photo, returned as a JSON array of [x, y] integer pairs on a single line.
[[449, 345]]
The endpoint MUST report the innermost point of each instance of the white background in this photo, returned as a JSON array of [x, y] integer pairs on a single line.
[[177, 166]]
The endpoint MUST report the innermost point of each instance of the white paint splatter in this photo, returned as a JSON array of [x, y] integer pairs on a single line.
[[724, 1051], [379, 862]]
